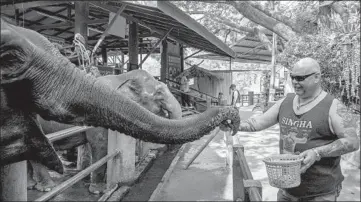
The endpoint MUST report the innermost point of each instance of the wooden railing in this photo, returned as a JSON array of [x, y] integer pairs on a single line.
[[82, 174], [203, 95], [76, 178], [245, 188]]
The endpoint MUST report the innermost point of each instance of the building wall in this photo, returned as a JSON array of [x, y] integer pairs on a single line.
[[214, 86]]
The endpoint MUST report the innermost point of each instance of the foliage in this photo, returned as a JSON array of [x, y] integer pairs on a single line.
[[218, 18], [330, 50]]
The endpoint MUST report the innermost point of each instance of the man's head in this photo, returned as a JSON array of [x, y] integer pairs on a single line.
[[306, 77], [233, 87]]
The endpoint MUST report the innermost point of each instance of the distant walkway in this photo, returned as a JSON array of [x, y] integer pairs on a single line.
[[209, 179]]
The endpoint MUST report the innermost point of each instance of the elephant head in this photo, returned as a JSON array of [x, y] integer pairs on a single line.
[[33, 81], [141, 87]]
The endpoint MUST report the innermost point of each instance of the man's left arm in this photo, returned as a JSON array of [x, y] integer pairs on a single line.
[[344, 125]]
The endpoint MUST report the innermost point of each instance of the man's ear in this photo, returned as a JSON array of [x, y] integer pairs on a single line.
[[318, 78]]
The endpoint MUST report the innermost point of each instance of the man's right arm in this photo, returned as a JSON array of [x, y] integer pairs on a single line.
[[261, 122]]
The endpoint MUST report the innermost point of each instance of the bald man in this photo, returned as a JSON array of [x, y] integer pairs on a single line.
[[321, 130]]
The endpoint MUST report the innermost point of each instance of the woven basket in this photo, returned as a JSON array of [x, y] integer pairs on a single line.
[[284, 170]]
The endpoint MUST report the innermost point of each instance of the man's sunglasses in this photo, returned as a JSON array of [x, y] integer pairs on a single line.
[[301, 78]]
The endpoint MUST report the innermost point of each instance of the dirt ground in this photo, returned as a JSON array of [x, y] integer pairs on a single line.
[[145, 187]]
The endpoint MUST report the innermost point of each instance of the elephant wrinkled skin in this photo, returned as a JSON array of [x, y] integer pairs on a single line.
[[35, 82], [138, 85]]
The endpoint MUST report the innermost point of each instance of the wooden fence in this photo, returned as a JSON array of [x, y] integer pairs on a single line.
[[245, 188]]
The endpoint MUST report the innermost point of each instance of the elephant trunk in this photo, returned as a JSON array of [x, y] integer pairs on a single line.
[[66, 94]]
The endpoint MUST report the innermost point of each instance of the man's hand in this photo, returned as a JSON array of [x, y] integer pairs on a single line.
[[309, 158]]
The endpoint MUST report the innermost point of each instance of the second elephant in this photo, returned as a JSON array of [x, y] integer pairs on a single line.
[[138, 85]]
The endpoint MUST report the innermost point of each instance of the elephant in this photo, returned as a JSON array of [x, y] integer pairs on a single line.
[[138, 85], [35, 82]]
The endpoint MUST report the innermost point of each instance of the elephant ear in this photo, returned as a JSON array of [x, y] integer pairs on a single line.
[[160, 91], [135, 86], [15, 52]]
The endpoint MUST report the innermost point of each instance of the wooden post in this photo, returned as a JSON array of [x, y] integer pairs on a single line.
[[117, 70], [164, 61], [133, 46], [83, 156], [253, 190], [214, 134], [81, 27], [17, 13], [122, 167], [141, 57], [238, 187], [208, 100], [181, 51], [250, 98], [13, 182], [104, 56], [273, 70], [81, 18], [228, 139]]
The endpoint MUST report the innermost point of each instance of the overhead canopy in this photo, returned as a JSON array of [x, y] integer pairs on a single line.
[[196, 71], [56, 19], [248, 50]]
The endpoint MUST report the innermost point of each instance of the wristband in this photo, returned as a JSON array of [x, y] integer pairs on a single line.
[[318, 156]]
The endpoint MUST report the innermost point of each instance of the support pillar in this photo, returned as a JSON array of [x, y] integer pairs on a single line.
[[81, 27], [164, 61], [141, 58], [273, 70], [81, 17], [181, 52], [13, 181], [250, 98], [133, 46], [104, 56], [122, 167]]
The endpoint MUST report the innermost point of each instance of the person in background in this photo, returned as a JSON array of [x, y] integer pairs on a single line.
[[220, 99], [314, 125], [236, 96], [184, 86]]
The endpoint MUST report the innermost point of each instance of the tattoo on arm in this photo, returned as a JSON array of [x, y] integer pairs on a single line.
[[248, 125], [348, 141], [348, 120], [336, 148]]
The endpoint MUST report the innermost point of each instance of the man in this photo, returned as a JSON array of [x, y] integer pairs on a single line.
[[184, 86], [236, 96], [321, 131]]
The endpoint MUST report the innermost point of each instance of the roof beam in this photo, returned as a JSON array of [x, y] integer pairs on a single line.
[[256, 59], [174, 12], [52, 15], [30, 4], [120, 10], [45, 17], [155, 46], [130, 18], [52, 26], [98, 21]]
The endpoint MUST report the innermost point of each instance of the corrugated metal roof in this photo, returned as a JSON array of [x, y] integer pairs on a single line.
[[58, 21], [248, 50]]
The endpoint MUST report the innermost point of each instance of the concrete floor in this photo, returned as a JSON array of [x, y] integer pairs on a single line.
[[208, 178]]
